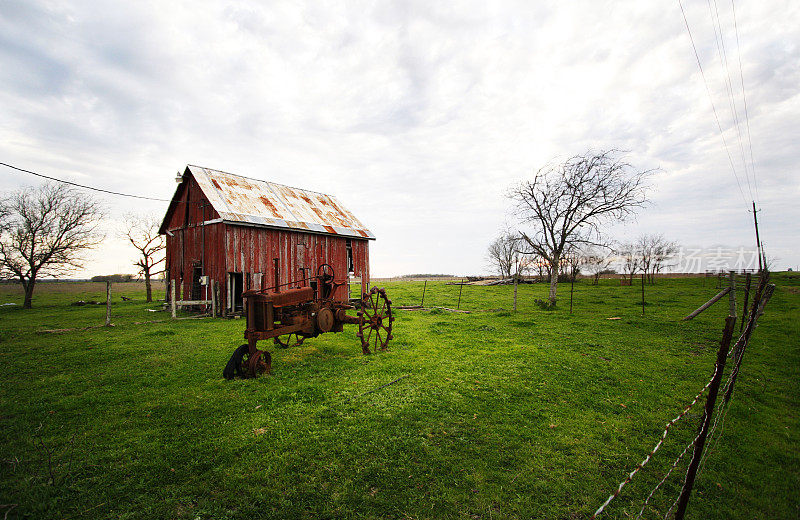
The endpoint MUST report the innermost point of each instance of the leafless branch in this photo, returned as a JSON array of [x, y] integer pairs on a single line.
[[142, 232], [566, 204], [44, 231]]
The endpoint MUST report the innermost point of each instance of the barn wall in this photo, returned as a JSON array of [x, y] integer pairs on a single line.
[[252, 250], [185, 251]]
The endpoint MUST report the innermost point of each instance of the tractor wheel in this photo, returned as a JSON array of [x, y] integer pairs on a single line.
[[257, 364], [375, 321]]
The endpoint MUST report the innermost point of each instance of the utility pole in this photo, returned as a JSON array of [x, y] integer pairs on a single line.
[[758, 240]]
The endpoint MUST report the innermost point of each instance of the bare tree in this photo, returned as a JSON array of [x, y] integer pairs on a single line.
[[664, 251], [505, 256], [645, 249], [567, 203], [142, 233], [43, 232], [629, 256], [596, 261], [501, 254], [654, 251]]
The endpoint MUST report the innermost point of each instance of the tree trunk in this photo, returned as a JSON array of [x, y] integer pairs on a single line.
[[28, 286], [553, 281], [147, 285]]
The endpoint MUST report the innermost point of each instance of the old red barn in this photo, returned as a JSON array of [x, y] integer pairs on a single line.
[[231, 229]]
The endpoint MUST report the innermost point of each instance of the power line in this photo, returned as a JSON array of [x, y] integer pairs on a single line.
[[711, 100], [83, 185], [719, 39], [744, 99]]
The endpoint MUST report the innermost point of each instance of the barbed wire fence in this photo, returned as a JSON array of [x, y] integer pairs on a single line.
[[712, 423]]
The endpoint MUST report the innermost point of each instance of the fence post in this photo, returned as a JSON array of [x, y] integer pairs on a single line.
[[571, 290], [732, 294], [713, 389], [515, 294], [422, 303], [746, 297], [108, 304], [213, 300], [216, 297], [172, 298], [460, 288], [642, 294]]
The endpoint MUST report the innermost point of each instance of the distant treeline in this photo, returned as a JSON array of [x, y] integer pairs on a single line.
[[426, 276], [116, 278]]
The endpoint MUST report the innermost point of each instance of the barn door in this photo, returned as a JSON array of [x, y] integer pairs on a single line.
[[300, 265], [197, 272], [235, 286]]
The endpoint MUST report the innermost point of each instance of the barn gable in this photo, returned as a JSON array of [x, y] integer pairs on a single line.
[[244, 201]]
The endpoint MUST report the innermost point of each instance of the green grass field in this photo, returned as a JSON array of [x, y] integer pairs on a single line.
[[534, 414]]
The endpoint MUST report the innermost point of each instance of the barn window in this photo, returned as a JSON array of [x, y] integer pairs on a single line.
[[349, 246]]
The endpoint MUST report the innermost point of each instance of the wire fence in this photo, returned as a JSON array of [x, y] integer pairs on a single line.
[[712, 423]]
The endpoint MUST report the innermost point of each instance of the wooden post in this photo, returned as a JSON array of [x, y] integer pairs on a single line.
[[213, 300], [223, 307], [172, 298], [216, 297], [758, 308], [642, 293], [708, 304], [229, 283], [732, 294], [108, 304], [711, 400], [571, 290], [746, 297], [515, 294], [460, 288], [422, 303]]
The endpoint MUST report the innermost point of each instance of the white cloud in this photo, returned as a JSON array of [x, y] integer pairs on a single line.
[[418, 116]]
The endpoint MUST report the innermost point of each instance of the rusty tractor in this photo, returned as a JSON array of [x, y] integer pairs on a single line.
[[304, 309]]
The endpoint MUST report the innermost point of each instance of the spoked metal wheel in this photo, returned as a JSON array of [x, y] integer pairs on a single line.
[[289, 340], [375, 321], [257, 364]]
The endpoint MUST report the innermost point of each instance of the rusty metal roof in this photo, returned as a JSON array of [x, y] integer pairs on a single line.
[[255, 202]]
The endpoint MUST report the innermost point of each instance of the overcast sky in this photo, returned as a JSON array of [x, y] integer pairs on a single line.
[[417, 116]]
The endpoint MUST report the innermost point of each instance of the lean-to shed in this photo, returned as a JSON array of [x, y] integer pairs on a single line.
[[231, 229]]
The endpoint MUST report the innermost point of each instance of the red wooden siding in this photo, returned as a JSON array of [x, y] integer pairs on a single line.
[[253, 250], [250, 250], [196, 205]]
